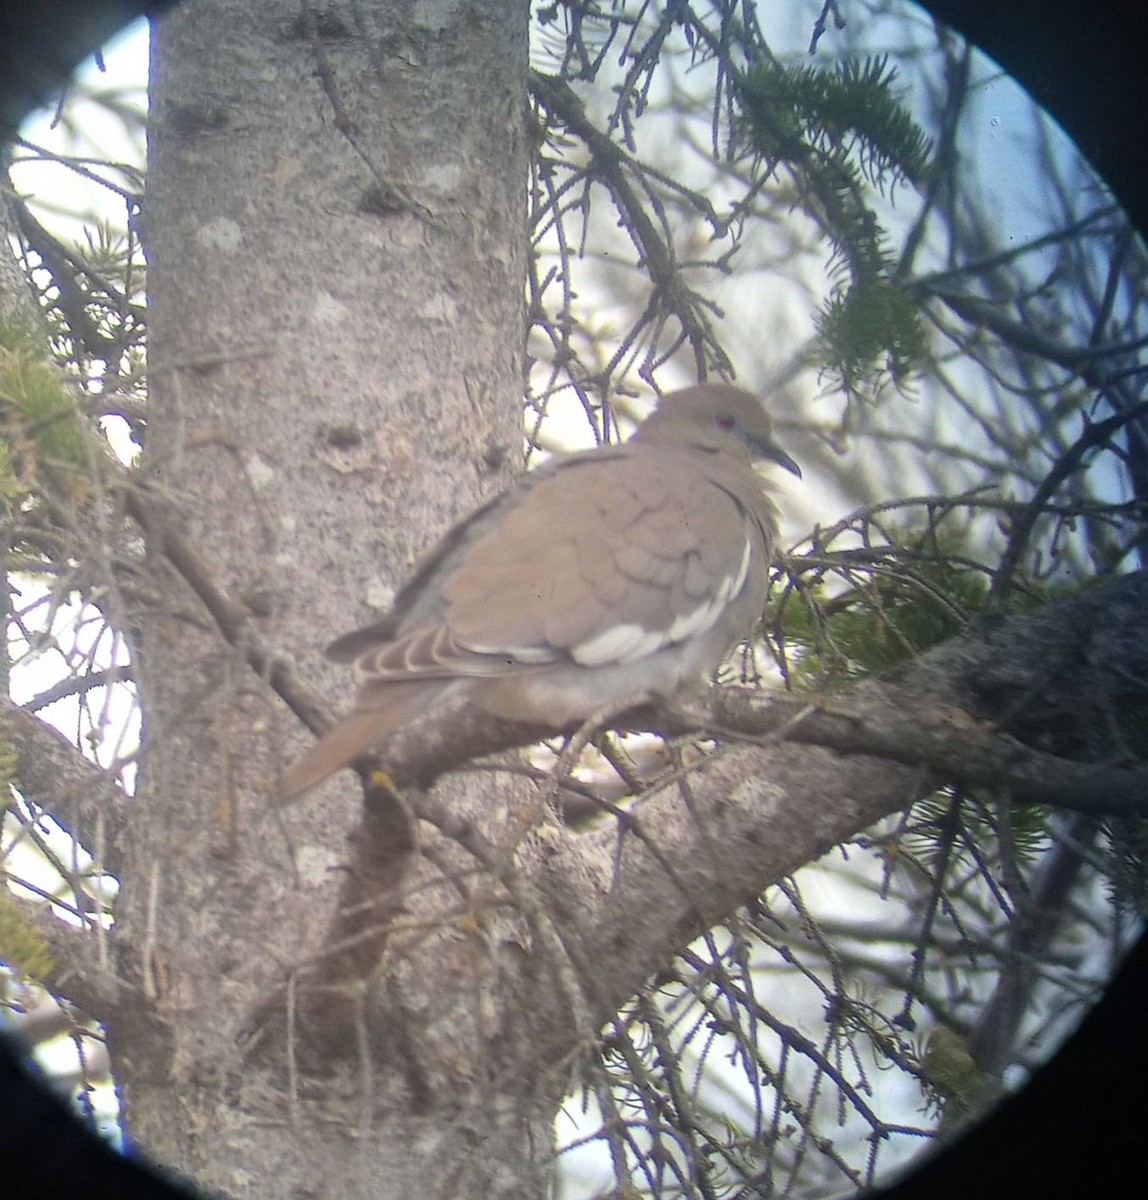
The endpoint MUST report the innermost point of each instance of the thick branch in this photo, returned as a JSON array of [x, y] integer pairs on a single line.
[[953, 747], [749, 814]]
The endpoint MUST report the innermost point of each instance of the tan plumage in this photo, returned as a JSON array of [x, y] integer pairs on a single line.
[[625, 570]]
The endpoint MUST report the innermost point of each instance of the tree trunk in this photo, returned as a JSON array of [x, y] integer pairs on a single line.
[[336, 230]]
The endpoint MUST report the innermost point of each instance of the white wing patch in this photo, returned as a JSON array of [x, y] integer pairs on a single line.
[[733, 586], [618, 644], [628, 642]]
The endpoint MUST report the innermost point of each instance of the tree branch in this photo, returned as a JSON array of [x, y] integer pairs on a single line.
[[233, 619], [968, 712], [747, 815], [951, 744], [54, 775]]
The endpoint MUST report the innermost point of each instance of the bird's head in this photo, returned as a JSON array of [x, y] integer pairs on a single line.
[[717, 417]]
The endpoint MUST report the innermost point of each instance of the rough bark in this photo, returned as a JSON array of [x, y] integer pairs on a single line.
[[336, 223]]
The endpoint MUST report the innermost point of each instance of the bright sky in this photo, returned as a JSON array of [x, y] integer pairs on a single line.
[[125, 59]]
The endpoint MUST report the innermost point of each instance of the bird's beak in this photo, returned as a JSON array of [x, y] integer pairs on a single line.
[[773, 452]]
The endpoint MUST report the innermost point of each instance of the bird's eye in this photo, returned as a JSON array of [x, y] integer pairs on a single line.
[[725, 421]]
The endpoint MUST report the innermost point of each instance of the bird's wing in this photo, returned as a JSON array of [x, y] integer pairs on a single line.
[[600, 561]]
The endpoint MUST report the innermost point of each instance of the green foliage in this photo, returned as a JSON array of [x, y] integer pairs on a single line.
[[884, 620], [945, 837], [849, 110], [916, 595], [838, 132], [958, 1086], [870, 320], [10, 487], [1125, 851], [22, 945], [43, 441]]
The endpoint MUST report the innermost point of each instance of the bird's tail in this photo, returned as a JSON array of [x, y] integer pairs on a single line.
[[335, 749], [355, 735]]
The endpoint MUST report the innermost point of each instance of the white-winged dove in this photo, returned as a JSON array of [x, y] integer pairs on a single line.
[[622, 572]]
